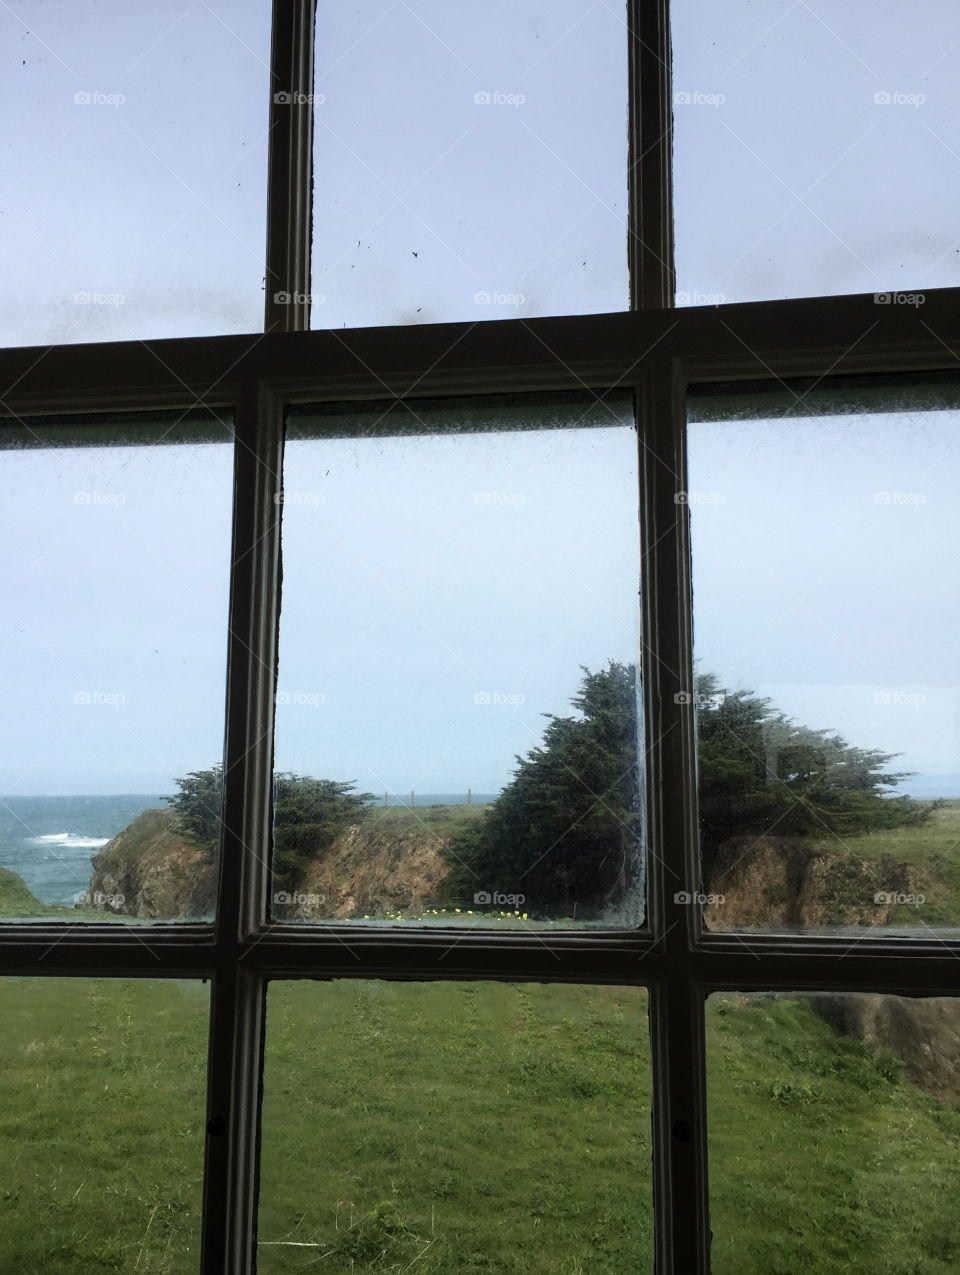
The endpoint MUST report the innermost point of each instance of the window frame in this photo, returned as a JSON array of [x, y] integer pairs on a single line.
[[656, 351]]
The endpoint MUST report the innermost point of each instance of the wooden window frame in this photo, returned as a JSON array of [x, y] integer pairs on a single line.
[[657, 352]]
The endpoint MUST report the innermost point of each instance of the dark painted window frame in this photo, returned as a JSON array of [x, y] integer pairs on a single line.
[[658, 352]]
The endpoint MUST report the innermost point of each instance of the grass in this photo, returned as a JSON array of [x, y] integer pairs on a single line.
[[101, 1124], [415, 820], [455, 1127], [931, 853], [16, 901], [822, 1158], [459, 1129]]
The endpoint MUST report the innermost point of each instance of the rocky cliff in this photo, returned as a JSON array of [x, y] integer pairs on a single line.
[[150, 870], [787, 883]]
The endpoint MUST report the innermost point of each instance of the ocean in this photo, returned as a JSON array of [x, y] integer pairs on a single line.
[[49, 841]]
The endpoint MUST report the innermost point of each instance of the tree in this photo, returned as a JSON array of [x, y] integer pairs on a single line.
[[565, 831], [308, 816], [759, 772], [198, 806]]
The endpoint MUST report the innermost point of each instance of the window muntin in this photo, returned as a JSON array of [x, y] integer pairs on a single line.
[[113, 642], [822, 522], [133, 188], [806, 141], [470, 164], [430, 627]]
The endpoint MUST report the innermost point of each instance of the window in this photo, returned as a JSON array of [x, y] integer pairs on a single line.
[[286, 377]]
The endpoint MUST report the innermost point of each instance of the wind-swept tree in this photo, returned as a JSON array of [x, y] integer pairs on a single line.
[[566, 830], [308, 816]]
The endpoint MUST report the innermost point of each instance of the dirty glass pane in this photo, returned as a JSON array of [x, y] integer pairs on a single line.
[[815, 150], [833, 1132], [470, 161], [824, 527], [133, 168], [456, 1126], [114, 575], [457, 698]]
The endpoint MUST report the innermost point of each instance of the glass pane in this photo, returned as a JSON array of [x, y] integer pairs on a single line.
[[833, 1133], [133, 169], [824, 527], [114, 576], [456, 1127], [102, 1101], [470, 161], [815, 149], [460, 589]]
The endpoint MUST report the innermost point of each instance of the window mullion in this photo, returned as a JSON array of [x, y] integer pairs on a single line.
[[676, 1017], [650, 185], [290, 168], [236, 1038]]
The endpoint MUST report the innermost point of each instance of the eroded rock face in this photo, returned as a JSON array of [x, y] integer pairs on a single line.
[[150, 870], [369, 871], [924, 1033], [785, 883]]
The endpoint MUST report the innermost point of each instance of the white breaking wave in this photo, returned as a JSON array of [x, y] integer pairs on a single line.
[[69, 841]]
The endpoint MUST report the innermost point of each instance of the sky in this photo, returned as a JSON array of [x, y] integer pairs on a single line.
[[827, 574], [470, 164]]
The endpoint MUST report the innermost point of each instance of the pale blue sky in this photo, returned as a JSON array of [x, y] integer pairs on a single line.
[[136, 209]]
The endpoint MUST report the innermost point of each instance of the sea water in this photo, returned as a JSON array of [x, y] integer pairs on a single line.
[[49, 841]]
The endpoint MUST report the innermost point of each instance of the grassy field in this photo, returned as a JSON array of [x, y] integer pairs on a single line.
[[101, 1125], [932, 854], [458, 1129], [412, 820]]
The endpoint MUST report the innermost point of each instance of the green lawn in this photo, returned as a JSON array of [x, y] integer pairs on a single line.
[[101, 1125], [456, 1128], [822, 1159], [463, 1127]]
